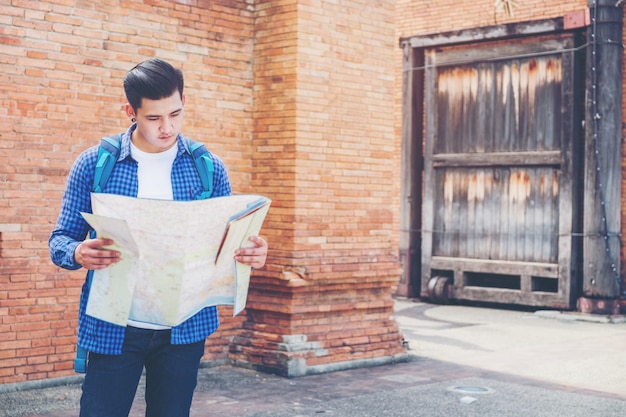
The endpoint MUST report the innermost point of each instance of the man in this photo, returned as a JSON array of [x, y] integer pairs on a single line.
[[153, 163]]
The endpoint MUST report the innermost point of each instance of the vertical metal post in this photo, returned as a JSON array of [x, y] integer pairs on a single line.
[[602, 283], [411, 178]]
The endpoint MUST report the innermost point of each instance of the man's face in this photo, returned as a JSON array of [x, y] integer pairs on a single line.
[[158, 123]]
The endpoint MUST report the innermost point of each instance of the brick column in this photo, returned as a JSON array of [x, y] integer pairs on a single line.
[[326, 152]]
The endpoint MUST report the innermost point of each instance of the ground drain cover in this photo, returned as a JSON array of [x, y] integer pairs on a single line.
[[471, 389]]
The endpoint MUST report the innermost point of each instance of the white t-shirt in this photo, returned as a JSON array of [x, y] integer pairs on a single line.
[[154, 172], [154, 175]]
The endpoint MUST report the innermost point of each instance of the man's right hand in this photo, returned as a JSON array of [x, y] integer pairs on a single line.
[[91, 254]]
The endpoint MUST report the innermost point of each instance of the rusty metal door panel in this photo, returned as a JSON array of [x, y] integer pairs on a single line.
[[499, 107], [497, 213]]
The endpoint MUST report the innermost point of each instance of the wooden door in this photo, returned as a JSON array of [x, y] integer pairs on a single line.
[[499, 202]]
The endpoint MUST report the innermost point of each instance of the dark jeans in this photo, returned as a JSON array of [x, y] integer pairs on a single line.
[[171, 376]]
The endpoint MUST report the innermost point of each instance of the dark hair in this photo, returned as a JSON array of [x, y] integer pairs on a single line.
[[153, 79]]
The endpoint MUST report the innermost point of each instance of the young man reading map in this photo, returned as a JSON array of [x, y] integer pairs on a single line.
[[154, 163]]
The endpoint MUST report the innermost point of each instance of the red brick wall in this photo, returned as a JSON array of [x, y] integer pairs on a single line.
[[324, 103], [61, 70], [420, 18], [295, 95]]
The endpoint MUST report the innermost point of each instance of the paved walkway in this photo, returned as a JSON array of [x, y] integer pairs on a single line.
[[465, 361]]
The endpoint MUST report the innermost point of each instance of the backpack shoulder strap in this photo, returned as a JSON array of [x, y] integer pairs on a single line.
[[107, 157], [80, 361], [108, 152], [204, 166]]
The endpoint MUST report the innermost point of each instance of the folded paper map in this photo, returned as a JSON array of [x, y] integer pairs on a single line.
[[176, 256]]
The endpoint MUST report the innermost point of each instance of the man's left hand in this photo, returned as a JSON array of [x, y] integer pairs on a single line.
[[254, 256]]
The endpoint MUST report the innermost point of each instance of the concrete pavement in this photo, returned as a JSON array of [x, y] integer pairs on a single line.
[[464, 361], [573, 349]]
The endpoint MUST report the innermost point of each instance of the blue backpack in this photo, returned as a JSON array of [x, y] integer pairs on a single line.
[[108, 153]]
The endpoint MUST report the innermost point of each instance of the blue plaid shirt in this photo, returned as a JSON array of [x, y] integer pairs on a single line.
[[71, 229]]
